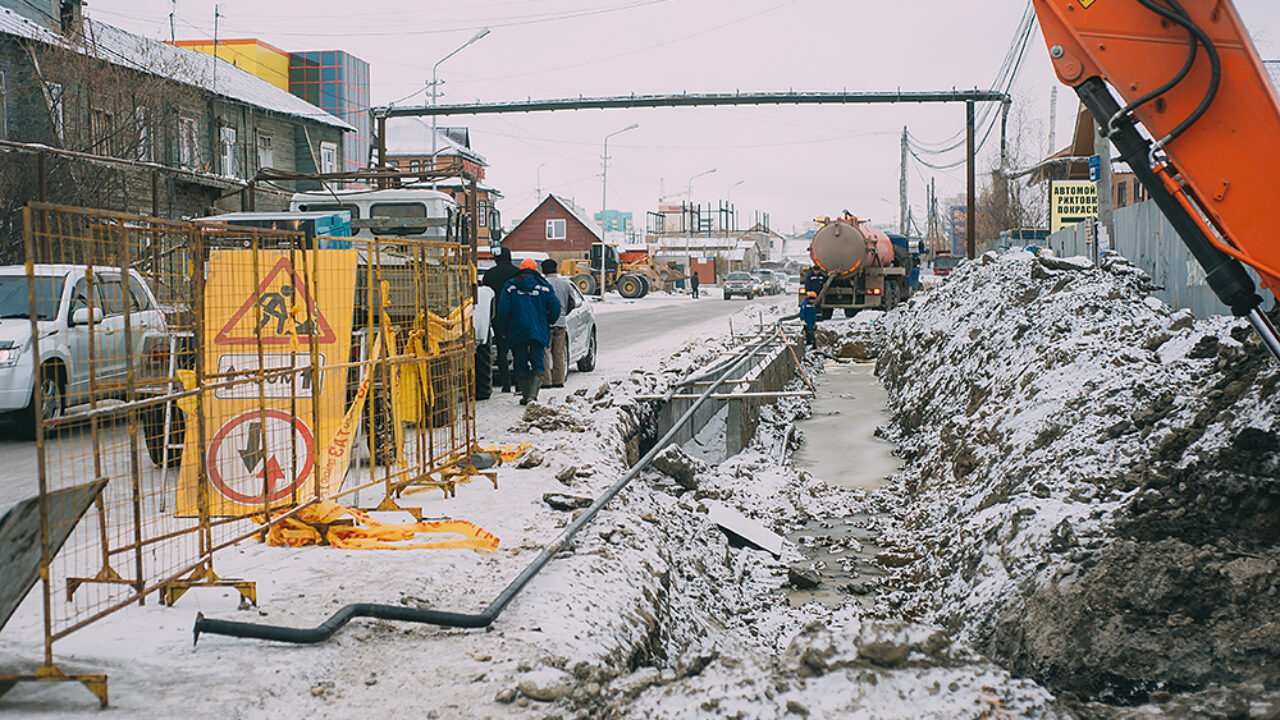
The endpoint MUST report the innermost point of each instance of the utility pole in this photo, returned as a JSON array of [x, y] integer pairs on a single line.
[[1053, 121], [971, 183], [902, 185], [1102, 148]]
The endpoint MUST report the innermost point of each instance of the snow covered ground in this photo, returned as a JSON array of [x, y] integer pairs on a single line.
[[1087, 498]]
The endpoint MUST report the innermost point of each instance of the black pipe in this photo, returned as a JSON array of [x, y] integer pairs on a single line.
[[486, 617], [1224, 274]]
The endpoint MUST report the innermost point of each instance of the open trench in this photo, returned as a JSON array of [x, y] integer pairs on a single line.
[[717, 627]]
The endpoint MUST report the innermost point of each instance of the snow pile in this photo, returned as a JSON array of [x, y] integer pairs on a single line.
[[1090, 489]]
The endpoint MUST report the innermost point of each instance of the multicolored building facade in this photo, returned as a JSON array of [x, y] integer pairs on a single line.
[[338, 82], [333, 80]]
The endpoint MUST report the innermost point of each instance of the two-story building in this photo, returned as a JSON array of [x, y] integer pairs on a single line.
[[95, 116], [409, 150]]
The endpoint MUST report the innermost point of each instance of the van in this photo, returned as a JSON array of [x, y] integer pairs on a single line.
[[420, 213]]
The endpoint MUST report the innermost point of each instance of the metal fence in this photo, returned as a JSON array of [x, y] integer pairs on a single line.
[[1145, 238], [211, 378]]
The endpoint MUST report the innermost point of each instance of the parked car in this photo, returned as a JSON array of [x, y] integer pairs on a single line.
[[781, 278], [767, 282], [582, 338], [944, 263], [739, 283], [68, 309]]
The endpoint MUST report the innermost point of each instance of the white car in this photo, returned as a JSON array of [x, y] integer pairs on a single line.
[[69, 309], [581, 328]]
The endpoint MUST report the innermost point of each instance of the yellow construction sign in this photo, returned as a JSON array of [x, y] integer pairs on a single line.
[[270, 330], [1071, 201]]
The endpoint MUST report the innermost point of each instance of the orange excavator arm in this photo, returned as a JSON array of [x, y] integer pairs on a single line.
[[1186, 73]]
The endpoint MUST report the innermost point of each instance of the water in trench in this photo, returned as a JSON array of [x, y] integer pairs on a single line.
[[841, 447]]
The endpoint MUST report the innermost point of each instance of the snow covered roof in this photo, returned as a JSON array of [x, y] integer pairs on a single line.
[[412, 136], [118, 47]]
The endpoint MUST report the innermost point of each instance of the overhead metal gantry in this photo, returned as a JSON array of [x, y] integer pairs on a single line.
[[968, 97]]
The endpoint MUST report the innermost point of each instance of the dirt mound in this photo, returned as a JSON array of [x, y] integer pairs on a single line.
[[1092, 478]]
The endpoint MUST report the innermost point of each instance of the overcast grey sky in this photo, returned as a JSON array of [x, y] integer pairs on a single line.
[[795, 162]]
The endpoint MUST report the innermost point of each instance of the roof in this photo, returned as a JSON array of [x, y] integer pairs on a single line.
[[577, 213], [412, 137], [118, 47]]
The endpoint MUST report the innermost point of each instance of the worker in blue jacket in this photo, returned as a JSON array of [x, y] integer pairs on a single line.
[[527, 307], [809, 315]]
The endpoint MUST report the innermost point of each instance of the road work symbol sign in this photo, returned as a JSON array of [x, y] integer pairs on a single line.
[[261, 453], [282, 303], [269, 410]]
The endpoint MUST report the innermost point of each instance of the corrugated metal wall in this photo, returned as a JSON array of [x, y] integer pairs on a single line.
[[1150, 242]]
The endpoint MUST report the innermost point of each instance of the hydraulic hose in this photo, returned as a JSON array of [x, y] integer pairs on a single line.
[[325, 630]]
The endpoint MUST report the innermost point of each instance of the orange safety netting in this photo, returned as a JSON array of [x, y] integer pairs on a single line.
[[328, 523]]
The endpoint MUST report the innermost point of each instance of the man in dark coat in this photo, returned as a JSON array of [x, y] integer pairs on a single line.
[[496, 278], [809, 315], [693, 284], [526, 309]]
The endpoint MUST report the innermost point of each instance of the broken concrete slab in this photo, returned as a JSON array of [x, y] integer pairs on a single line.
[[740, 527]]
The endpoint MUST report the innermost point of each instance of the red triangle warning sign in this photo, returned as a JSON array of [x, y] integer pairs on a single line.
[[275, 322]]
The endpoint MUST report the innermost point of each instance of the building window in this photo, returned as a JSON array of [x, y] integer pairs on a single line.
[[53, 96], [188, 143], [1122, 194], [266, 151], [100, 131], [555, 229], [414, 166], [4, 103], [482, 209], [328, 157], [145, 150], [227, 150]]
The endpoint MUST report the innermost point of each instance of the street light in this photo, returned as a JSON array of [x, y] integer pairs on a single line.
[[729, 197], [539, 190], [689, 231], [435, 93], [690, 184], [604, 199]]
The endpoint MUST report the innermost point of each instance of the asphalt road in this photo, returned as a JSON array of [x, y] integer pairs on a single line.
[[620, 331]]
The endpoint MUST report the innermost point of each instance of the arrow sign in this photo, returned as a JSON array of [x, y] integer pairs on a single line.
[[252, 455]]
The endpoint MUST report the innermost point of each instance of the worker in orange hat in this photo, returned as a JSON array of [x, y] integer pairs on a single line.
[[809, 314], [527, 307]]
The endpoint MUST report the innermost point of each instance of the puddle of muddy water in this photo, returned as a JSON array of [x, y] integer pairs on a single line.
[[841, 551], [841, 448], [840, 445]]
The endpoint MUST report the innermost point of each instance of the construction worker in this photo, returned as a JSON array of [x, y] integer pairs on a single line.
[[557, 357], [526, 309], [495, 278], [809, 314]]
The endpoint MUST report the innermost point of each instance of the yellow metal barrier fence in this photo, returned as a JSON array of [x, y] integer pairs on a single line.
[[211, 375]]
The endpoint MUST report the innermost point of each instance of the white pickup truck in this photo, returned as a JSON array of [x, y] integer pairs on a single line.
[[70, 309]]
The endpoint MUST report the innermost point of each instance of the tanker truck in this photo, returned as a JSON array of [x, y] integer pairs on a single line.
[[863, 267]]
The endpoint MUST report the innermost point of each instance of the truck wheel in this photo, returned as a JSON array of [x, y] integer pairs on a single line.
[[648, 286], [484, 371], [889, 300], [850, 312], [630, 287], [587, 284], [827, 313], [153, 431], [588, 362]]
